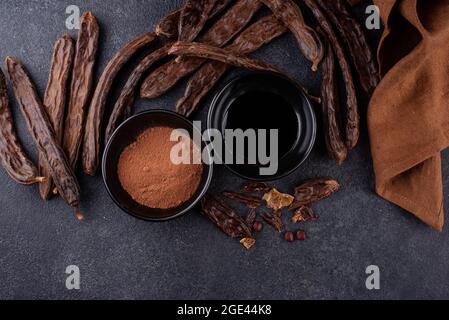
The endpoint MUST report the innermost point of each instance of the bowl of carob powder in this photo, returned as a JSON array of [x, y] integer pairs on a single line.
[[154, 167]]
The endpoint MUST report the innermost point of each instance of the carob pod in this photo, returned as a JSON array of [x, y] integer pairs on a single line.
[[194, 16], [352, 114], [12, 156], [126, 99], [313, 191], [353, 36], [92, 143], [249, 201], [42, 132], [81, 86], [196, 49], [252, 38], [55, 100], [226, 28], [308, 40], [168, 26], [331, 109]]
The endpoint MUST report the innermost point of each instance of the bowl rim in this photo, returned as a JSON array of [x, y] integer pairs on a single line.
[[308, 103], [205, 187]]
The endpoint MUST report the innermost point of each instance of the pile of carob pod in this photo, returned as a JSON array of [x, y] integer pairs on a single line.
[[203, 40]]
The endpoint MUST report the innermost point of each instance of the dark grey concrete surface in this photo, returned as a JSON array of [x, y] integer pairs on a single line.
[[124, 258]]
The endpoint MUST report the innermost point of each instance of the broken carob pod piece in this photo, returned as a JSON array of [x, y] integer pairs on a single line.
[[55, 99], [127, 96], [92, 143], [330, 107], [252, 38], [274, 219], [168, 26], [251, 218], [12, 156], [308, 40], [304, 214], [81, 86], [245, 199], [219, 34], [354, 37], [196, 49], [313, 191], [41, 131], [226, 219], [194, 16], [253, 187], [277, 201], [352, 113]]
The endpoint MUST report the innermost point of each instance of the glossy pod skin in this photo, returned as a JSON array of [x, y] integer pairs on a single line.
[[12, 156], [308, 40], [55, 101], [224, 30], [92, 143], [40, 128], [81, 85], [252, 38]]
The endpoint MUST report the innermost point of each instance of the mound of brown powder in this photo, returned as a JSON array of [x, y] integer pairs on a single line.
[[147, 173]]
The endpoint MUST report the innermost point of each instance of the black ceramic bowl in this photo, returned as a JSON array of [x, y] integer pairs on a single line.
[[276, 102], [125, 135]]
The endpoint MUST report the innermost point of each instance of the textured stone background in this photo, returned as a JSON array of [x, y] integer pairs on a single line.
[[121, 257]]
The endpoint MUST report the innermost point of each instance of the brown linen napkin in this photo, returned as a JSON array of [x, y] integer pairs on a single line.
[[408, 116]]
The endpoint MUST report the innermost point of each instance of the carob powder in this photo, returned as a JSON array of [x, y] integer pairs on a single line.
[[149, 176]]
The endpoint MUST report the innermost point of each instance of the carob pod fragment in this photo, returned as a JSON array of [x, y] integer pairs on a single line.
[[224, 30], [92, 143], [354, 37], [252, 38], [352, 114], [12, 156], [126, 99], [194, 16], [330, 107], [42, 132], [313, 191], [55, 101], [81, 86], [308, 40]]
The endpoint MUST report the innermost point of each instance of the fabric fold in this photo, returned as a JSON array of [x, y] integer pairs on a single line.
[[408, 116]]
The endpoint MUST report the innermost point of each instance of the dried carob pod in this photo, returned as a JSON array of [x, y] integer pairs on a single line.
[[92, 144], [354, 37], [308, 40], [55, 101], [81, 86], [331, 109], [42, 132], [352, 114], [245, 199], [276, 200], [127, 96], [12, 155], [168, 26], [313, 191], [261, 32], [193, 17], [226, 219], [224, 30], [251, 217]]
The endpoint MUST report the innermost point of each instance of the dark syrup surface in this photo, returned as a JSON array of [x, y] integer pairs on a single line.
[[265, 110]]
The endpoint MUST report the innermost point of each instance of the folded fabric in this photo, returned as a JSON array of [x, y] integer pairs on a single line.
[[408, 116]]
